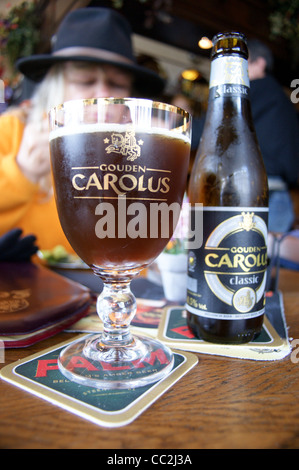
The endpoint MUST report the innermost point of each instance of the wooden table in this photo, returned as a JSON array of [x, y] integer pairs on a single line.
[[221, 403]]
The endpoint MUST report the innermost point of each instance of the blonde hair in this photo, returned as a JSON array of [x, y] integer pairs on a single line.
[[49, 93]]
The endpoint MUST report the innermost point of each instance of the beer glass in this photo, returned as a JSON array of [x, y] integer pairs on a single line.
[[119, 169]]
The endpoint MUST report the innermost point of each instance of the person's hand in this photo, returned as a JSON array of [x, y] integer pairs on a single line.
[[15, 247], [34, 155]]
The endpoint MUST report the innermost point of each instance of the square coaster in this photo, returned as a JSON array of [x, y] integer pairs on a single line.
[[39, 375], [269, 345]]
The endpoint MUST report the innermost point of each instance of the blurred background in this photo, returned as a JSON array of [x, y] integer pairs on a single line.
[[171, 36]]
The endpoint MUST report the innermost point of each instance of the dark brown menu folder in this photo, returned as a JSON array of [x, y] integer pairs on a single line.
[[36, 303]]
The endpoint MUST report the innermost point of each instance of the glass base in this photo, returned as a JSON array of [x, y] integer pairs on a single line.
[[90, 362]]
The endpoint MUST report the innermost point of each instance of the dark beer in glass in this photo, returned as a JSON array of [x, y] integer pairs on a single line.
[[120, 170]]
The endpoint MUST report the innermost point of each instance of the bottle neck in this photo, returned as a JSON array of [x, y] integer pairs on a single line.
[[229, 89]]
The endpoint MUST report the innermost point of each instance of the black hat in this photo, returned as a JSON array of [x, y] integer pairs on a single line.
[[97, 35]]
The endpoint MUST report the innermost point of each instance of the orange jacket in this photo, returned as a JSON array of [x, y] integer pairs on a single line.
[[21, 204]]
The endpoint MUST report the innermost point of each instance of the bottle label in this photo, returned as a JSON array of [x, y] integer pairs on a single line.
[[229, 77], [227, 274]]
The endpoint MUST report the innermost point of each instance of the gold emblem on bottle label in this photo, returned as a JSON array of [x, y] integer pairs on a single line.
[[247, 222], [244, 299], [125, 145], [229, 70]]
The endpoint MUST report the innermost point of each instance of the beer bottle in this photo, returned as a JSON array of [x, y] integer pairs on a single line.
[[228, 182]]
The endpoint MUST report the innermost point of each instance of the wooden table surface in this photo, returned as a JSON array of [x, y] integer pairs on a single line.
[[221, 403]]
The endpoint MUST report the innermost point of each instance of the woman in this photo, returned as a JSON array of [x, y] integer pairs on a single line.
[[91, 58]]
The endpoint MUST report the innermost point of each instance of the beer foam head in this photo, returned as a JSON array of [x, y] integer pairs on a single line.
[[73, 129]]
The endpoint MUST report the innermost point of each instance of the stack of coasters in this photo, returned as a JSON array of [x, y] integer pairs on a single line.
[[39, 375], [168, 323], [270, 345]]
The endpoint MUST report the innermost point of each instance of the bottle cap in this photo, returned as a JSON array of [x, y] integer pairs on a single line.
[[229, 43]]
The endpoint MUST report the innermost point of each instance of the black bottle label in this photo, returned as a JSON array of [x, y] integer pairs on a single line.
[[227, 274]]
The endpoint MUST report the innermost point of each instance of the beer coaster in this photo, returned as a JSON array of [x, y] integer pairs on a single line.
[[39, 375], [267, 346]]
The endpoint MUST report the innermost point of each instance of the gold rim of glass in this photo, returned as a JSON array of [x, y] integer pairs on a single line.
[[154, 104]]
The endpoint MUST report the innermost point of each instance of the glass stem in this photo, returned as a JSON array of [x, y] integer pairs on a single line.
[[116, 307]]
